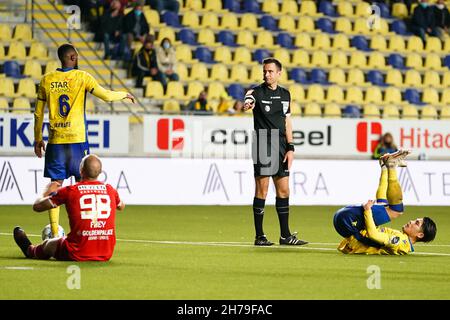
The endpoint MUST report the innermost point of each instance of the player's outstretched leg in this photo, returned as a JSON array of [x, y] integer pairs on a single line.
[[381, 195], [29, 250], [394, 190]]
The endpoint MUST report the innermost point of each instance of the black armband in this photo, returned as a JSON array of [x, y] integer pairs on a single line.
[[290, 147]]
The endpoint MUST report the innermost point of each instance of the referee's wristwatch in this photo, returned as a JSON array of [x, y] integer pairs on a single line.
[[290, 147]]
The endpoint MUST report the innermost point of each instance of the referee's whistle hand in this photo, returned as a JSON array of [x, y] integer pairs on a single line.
[[248, 106], [38, 148]]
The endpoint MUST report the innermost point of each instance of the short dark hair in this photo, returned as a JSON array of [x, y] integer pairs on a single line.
[[64, 49], [273, 60], [429, 230]]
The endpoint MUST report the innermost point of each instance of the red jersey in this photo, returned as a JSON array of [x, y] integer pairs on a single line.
[[91, 206]]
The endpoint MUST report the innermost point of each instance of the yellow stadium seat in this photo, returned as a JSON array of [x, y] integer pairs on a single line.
[[414, 60], [339, 59], [433, 45], [166, 32], [433, 61], [429, 113], [345, 8], [446, 79], [363, 9], [16, 50], [431, 79], [394, 77], [210, 20], [354, 95], [296, 110], [207, 37], [378, 42], [287, 23], [341, 42], [360, 27], [445, 99], [374, 95], [392, 95], [410, 112], [199, 71], [337, 76], [4, 105], [194, 89], [245, 38], [239, 73], [242, 55], [182, 71], [194, 5], [390, 112], [358, 60], [289, 7], [312, 110], [6, 87], [315, 94], [413, 78], [332, 110], [322, 41], [308, 8], [256, 75], [152, 17], [175, 90], [183, 53], [335, 94], [297, 93], [381, 28], [399, 10], [51, 66], [303, 40], [397, 43], [22, 32], [213, 5], [270, 6], [229, 21], [264, 39], [38, 51], [356, 77], [305, 24], [191, 19], [377, 60], [371, 112], [33, 69], [2, 51], [447, 45], [319, 59], [445, 113], [26, 88], [5, 32], [223, 54], [283, 56], [154, 89], [414, 44], [300, 58], [249, 22], [215, 90], [343, 24], [219, 72], [430, 96], [21, 105], [171, 106]]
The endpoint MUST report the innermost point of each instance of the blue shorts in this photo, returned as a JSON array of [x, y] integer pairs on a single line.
[[63, 160]]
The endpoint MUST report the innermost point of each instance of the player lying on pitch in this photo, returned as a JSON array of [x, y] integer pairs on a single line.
[[359, 225], [91, 206]]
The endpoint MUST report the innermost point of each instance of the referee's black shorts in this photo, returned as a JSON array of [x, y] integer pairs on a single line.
[[266, 165]]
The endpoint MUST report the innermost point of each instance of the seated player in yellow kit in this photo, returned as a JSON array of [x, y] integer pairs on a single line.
[[359, 225], [64, 91]]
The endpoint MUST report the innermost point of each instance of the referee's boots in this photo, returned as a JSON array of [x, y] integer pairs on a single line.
[[262, 241], [292, 240]]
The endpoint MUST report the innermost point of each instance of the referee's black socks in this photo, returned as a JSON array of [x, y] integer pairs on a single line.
[[258, 215], [282, 206]]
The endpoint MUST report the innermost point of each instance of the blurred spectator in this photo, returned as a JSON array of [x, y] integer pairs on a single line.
[[145, 64], [238, 108], [386, 145], [423, 21], [166, 60], [111, 27], [135, 26], [200, 104], [161, 5], [442, 18], [123, 5]]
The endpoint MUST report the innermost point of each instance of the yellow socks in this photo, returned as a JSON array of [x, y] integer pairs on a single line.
[[382, 185], [53, 215], [394, 190]]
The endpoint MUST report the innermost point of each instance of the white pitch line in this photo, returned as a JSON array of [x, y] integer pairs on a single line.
[[17, 268], [242, 244]]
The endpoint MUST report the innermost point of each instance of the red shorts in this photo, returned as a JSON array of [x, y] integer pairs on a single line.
[[62, 253]]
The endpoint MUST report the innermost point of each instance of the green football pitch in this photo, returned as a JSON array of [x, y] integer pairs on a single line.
[[206, 252]]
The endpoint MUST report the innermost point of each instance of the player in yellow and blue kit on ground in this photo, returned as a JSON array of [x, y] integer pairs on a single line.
[[359, 225], [64, 91]]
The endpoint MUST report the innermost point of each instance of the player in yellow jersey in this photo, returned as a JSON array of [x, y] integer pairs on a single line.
[[64, 92], [360, 225]]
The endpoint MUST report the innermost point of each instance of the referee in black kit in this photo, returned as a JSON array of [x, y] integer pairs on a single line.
[[272, 150]]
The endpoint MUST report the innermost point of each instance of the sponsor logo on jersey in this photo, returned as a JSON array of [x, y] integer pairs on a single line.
[[285, 106]]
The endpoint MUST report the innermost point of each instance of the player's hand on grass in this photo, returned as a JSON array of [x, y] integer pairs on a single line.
[[289, 157], [131, 97], [38, 148], [368, 205]]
